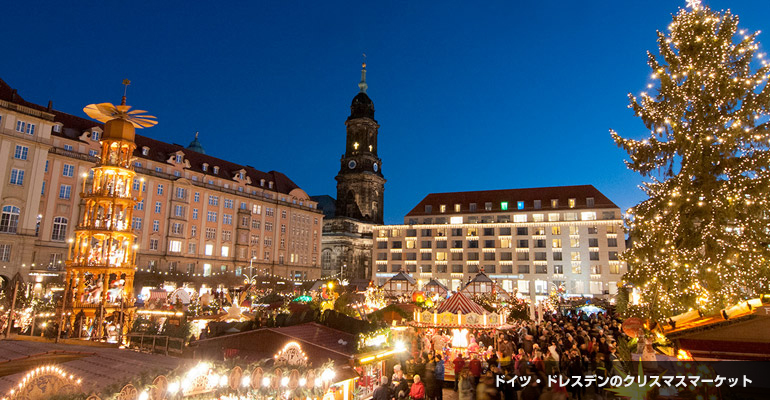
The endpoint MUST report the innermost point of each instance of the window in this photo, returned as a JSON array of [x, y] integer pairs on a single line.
[[209, 249], [541, 269], [136, 223], [522, 231], [442, 208], [145, 150], [571, 203], [593, 230], [614, 268], [269, 212], [588, 216], [177, 228], [155, 225], [256, 224], [227, 219], [153, 244], [489, 256], [574, 243], [556, 243], [17, 177], [539, 243], [195, 213], [573, 230], [283, 214], [522, 243], [612, 242], [175, 246], [216, 170], [593, 242], [575, 256], [211, 216], [557, 255], [160, 189], [68, 170], [504, 205], [5, 252], [46, 165], [180, 193], [22, 152], [226, 235], [178, 158], [523, 269], [211, 233], [519, 205], [613, 255], [65, 191], [593, 256], [191, 248], [193, 231], [59, 231], [178, 211], [158, 206], [536, 204], [228, 203], [269, 226], [577, 269], [42, 190], [268, 242], [197, 197], [68, 147], [554, 203], [520, 218], [522, 256], [225, 251], [589, 201]]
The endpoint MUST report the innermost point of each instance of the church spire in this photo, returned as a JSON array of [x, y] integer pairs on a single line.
[[362, 85]]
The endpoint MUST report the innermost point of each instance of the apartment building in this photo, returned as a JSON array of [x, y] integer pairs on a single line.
[[198, 214], [526, 240]]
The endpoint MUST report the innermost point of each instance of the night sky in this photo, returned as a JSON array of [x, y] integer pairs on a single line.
[[469, 96]]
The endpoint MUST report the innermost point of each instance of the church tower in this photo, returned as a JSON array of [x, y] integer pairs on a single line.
[[360, 183]]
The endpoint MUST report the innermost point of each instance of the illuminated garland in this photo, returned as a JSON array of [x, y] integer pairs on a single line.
[[264, 274], [700, 239]]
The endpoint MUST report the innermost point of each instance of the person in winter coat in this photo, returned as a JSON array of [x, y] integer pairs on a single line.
[[382, 392], [417, 392], [465, 389]]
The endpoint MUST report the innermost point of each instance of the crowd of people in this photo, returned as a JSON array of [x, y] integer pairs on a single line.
[[570, 345]]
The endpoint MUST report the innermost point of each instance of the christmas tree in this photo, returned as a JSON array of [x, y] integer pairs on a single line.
[[701, 240]]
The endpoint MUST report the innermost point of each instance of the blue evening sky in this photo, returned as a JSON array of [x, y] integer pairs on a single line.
[[469, 95]]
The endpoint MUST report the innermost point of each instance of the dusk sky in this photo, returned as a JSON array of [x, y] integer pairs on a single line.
[[469, 95]]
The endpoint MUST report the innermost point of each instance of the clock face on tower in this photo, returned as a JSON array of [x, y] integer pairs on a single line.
[[352, 164], [375, 167]]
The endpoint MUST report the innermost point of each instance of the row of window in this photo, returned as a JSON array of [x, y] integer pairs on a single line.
[[504, 231], [504, 205], [506, 218], [493, 244], [501, 269], [491, 256]]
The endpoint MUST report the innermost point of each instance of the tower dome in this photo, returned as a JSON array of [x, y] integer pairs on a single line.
[[196, 145], [362, 106]]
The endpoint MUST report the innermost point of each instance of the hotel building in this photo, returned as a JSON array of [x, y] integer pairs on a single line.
[[524, 239], [198, 214]]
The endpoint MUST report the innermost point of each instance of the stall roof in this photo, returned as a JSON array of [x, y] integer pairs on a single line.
[[403, 276], [438, 284], [458, 302], [320, 344]]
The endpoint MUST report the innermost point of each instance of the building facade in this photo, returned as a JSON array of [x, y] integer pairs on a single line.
[[347, 231], [199, 214], [524, 239]]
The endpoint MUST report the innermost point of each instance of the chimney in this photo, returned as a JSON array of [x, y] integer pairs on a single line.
[[50, 105], [13, 95]]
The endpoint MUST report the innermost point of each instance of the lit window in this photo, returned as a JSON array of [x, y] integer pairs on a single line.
[[456, 220], [588, 216], [457, 208], [205, 167], [209, 250], [520, 218], [571, 203], [554, 203], [216, 170], [504, 205], [225, 251], [145, 151], [519, 205], [175, 246]]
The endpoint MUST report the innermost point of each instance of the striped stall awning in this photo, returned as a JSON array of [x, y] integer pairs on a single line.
[[451, 326], [460, 303], [158, 294]]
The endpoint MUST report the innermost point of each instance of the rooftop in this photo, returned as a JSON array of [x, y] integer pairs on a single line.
[[507, 200]]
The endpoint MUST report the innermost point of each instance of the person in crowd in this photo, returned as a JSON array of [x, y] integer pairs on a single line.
[[417, 391], [439, 377], [475, 368], [382, 392], [458, 364], [465, 386]]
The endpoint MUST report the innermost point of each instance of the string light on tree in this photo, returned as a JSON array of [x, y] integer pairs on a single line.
[[700, 240]]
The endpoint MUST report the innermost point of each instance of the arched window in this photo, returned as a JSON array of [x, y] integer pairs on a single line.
[[9, 220], [59, 229], [326, 258]]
